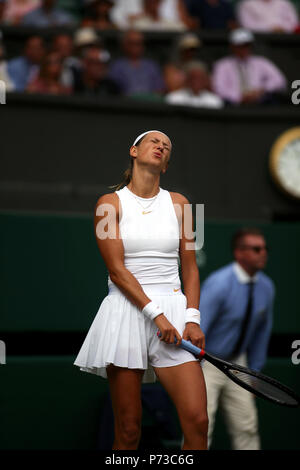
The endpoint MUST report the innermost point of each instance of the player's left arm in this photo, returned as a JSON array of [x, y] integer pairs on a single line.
[[189, 268]]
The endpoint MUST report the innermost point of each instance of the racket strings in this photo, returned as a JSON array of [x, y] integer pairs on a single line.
[[265, 387]]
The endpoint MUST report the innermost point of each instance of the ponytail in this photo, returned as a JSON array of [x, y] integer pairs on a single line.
[[127, 176]]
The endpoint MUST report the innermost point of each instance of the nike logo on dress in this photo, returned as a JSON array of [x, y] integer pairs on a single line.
[[146, 212], [176, 290]]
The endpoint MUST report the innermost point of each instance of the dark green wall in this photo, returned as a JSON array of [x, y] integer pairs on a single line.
[[54, 279]]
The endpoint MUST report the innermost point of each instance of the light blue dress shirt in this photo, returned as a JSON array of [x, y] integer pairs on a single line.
[[223, 302]]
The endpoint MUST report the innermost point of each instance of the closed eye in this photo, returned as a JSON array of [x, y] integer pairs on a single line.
[[155, 141]]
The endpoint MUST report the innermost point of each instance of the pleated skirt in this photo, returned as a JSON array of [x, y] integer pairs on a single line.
[[121, 335]]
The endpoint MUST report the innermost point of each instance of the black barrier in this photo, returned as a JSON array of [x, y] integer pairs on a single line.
[[62, 153]]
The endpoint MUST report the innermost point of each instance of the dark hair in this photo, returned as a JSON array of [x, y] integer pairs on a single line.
[[237, 237], [127, 175]]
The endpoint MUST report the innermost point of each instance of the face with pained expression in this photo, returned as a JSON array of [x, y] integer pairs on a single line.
[[153, 151]]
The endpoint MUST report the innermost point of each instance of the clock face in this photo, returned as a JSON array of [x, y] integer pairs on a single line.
[[285, 162]]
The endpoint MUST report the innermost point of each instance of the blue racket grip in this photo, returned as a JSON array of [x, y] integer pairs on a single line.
[[188, 346]]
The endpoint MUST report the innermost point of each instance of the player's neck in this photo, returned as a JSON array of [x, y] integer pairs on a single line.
[[146, 187]]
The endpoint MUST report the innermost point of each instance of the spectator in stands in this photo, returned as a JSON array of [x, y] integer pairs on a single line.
[[244, 77], [24, 68], [4, 77], [134, 73], [212, 14], [48, 79], [266, 16], [187, 49], [171, 11], [197, 89], [48, 15], [236, 304], [150, 19], [174, 77], [93, 79], [63, 44], [15, 10], [84, 38], [98, 15]]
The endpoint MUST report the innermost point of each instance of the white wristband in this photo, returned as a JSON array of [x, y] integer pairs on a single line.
[[152, 310], [192, 315]]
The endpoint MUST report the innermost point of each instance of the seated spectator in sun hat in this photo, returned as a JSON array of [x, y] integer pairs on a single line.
[[83, 38], [48, 14], [93, 79], [267, 16], [243, 77], [197, 91], [187, 48]]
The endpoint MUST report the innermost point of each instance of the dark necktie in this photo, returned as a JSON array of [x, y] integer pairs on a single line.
[[247, 316]]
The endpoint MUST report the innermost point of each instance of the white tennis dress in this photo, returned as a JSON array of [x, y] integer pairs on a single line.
[[120, 334]]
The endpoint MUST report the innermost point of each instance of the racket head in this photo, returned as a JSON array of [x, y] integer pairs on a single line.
[[257, 383]]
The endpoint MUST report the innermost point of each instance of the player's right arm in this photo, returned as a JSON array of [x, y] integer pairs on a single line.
[[110, 244]]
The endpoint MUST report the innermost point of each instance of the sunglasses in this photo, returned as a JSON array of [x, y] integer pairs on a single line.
[[255, 248]]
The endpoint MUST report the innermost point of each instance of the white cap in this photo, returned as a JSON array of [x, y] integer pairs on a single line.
[[240, 36], [189, 40], [85, 36], [148, 132]]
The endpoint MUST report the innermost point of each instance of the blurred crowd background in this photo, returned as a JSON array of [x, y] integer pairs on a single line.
[[76, 58]]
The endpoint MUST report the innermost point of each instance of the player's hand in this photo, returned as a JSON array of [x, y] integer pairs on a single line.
[[193, 333], [167, 330]]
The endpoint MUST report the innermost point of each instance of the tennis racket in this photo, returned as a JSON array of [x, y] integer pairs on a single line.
[[255, 382]]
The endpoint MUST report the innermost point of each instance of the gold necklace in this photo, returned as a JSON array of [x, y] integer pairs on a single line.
[[145, 208]]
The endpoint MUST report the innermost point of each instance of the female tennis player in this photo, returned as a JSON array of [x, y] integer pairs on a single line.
[[140, 232]]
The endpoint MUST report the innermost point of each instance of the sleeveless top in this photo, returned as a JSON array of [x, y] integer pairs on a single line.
[[150, 231]]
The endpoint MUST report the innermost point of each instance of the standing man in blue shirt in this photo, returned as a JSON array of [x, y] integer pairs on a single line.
[[236, 305]]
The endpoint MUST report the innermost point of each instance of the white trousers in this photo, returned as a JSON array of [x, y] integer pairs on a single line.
[[238, 407]]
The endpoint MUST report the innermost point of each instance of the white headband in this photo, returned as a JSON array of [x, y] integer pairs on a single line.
[[145, 133]]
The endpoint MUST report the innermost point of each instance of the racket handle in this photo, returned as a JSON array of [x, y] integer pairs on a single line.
[[188, 346]]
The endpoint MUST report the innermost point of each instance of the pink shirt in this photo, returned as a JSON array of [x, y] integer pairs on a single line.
[[15, 10], [265, 15], [260, 73]]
